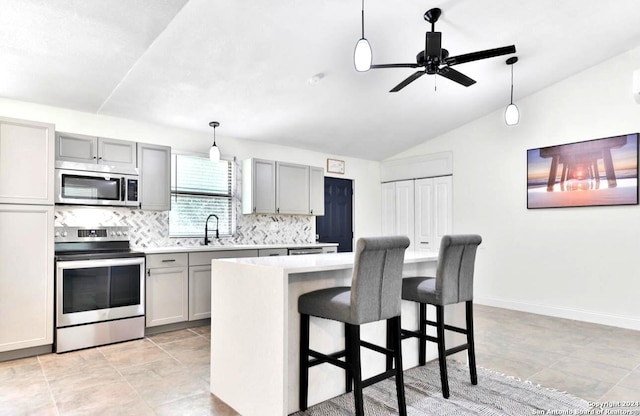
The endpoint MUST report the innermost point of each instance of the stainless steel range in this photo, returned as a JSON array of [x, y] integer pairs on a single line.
[[99, 287]]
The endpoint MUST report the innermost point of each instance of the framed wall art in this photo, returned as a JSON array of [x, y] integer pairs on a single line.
[[588, 173], [335, 166]]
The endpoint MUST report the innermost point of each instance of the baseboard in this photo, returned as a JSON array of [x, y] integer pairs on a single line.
[[620, 321], [25, 352]]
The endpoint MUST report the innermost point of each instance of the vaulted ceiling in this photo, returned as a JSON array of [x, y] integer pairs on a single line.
[[250, 64]]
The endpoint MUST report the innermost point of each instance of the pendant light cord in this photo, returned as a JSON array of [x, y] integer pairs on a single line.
[[511, 84], [362, 19]]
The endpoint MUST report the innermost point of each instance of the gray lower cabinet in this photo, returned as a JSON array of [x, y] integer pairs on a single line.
[[200, 279], [167, 289]]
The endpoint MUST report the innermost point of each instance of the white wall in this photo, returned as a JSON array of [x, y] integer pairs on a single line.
[[364, 173], [579, 263]]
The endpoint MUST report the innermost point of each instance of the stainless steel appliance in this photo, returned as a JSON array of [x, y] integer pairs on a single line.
[[83, 187], [99, 287]]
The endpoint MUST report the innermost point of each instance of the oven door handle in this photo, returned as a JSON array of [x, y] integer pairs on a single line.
[[123, 189]]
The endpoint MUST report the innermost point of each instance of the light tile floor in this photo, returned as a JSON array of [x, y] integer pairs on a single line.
[[168, 374]]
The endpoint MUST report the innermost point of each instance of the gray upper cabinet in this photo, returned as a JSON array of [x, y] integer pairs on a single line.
[[270, 187], [26, 162], [258, 186], [292, 188], [316, 190], [154, 164], [71, 147]]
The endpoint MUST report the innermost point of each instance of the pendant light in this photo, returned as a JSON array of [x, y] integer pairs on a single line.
[[362, 56], [511, 113], [214, 152]]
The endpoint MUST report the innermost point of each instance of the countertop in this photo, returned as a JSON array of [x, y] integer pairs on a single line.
[[313, 263], [186, 249]]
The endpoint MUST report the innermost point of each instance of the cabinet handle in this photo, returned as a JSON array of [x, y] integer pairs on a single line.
[[278, 210], [100, 158], [254, 209], [424, 242], [312, 211], [168, 261]]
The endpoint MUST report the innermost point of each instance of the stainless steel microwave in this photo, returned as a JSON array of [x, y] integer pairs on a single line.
[[96, 188]]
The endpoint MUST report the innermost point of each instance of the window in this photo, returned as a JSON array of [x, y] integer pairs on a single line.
[[199, 188]]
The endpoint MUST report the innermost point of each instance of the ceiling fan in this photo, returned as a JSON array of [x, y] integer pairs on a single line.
[[436, 60]]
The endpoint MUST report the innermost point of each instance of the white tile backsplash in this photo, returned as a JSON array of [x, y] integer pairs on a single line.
[[151, 228]]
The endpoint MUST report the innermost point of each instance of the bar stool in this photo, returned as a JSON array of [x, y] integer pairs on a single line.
[[453, 284], [373, 296]]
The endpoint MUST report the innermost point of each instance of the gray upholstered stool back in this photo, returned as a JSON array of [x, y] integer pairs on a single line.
[[454, 275], [377, 278]]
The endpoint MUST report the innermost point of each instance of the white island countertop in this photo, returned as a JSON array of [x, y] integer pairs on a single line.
[[254, 315], [217, 247], [325, 262]]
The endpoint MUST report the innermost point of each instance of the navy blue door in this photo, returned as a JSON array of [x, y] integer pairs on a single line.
[[336, 226]]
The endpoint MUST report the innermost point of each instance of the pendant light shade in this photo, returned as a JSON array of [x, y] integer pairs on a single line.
[[362, 56], [214, 152], [511, 113]]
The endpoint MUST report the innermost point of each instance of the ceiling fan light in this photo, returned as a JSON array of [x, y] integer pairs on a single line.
[[362, 56], [511, 115], [214, 153]]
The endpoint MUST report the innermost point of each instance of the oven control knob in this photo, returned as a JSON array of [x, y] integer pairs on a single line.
[[64, 233], [119, 233], [57, 234], [113, 233], [124, 233]]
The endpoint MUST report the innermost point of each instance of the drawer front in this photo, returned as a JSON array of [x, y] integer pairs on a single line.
[[265, 252], [201, 258], [167, 260]]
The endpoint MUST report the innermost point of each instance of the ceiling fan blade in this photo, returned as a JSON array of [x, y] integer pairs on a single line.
[[395, 66], [475, 56], [455, 76], [408, 81], [433, 45]]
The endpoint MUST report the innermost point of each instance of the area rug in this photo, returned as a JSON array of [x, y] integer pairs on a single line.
[[495, 394]]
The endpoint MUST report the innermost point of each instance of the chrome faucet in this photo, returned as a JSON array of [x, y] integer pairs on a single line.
[[206, 229]]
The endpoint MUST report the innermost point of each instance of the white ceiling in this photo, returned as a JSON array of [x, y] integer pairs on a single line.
[[247, 64]]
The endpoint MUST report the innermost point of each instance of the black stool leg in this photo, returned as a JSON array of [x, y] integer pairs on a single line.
[[393, 325], [304, 361], [390, 343], [354, 363], [442, 351], [472, 349], [422, 345], [347, 348]]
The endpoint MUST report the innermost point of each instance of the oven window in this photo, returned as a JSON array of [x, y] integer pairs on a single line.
[[88, 187], [100, 288]]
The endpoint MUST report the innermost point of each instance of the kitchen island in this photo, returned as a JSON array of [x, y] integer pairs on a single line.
[[255, 329]]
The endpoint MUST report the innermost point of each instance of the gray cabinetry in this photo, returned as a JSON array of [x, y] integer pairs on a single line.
[[26, 162], [316, 190], [80, 148], [269, 252], [167, 289], [154, 164], [26, 276], [200, 279], [292, 188], [270, 187], [258, 186], [26, 237]]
